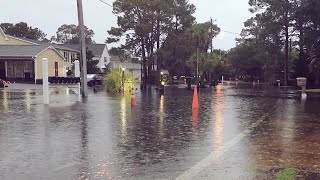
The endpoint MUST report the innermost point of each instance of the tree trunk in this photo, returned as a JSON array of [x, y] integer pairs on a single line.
[[144, 61], [149, 69], [209, 77], [286, 64], [301, 40], [158, 47], [197, 63]]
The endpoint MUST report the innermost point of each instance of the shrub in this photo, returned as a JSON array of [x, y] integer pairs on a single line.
[[113, 81], [287, 174]]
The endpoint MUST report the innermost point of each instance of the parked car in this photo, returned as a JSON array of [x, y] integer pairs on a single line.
[[94, 79]]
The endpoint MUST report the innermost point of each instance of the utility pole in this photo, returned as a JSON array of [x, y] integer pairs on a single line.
[[84, 85], [290, 51], [211, 35]]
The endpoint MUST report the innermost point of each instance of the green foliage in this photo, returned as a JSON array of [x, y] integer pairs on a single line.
[[119, 52], [245, 61], [113, 81], [91, 64], [179, 48], [69, 34], [23, 30], [149, 25], [201, 35], [208, 62], [288, 174]]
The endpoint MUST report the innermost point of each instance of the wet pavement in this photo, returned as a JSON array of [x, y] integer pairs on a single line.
[[239, 132]]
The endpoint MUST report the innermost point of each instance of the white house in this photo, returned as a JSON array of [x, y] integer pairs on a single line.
[[101, 53], [129, 64]]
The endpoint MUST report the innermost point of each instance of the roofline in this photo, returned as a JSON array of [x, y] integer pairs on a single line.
[[17, 58], [2, 32], [51, 47], [22, 40], [68, 49]]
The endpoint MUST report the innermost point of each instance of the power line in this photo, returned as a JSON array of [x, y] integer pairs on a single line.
[[106, 3], [221, 30], [230, 32]]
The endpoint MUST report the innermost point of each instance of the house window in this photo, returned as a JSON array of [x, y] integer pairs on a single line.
[[105, 59], [73, 57], [66, 56]]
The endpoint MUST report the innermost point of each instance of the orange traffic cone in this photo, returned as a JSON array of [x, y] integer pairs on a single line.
[[133, 99], [195, 101]]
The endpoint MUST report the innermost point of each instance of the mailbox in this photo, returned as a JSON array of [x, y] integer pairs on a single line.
[[301, 81]]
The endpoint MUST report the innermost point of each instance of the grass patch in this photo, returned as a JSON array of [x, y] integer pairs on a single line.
[[313, 90], [287, 174]]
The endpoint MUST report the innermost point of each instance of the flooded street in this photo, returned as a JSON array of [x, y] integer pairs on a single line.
[[239, 132]]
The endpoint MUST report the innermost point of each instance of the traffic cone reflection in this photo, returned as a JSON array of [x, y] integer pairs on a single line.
[[133, 99], [195, 101], [195, 113]]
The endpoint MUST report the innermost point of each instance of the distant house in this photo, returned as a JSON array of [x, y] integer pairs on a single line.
[[99, 51], [134, 67], [21, 58]]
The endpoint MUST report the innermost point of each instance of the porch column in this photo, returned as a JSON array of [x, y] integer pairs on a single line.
[[35, 71], [76, 68], [45, 83]]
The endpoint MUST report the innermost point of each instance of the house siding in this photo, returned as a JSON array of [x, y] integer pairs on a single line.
[[52, 57], [105, 56], [68, 60]]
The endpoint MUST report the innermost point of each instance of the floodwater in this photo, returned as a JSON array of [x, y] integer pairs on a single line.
[[239, 132]]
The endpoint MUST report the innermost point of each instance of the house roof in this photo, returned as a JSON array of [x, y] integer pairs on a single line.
[[33, 42], [97, 49], [22, 51], [57, 46]]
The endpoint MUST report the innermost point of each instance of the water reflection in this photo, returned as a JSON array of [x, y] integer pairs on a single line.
[[161, 114], [123, 118], [218, 120], [287, 131], [195, 113], [27, 100], [6, 97]]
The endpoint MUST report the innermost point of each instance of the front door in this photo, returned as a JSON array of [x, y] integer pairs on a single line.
[[2, 70], [56, 69]]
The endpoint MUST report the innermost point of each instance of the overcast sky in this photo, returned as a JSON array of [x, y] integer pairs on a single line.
[[48, 15]]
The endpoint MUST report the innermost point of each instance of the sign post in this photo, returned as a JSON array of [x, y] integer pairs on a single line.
[[302, 82]]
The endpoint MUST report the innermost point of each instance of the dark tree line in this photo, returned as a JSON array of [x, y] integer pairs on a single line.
[[281, 41]]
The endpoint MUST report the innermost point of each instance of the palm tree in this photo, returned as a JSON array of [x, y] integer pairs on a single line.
[[314, 65], [201, 35]]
